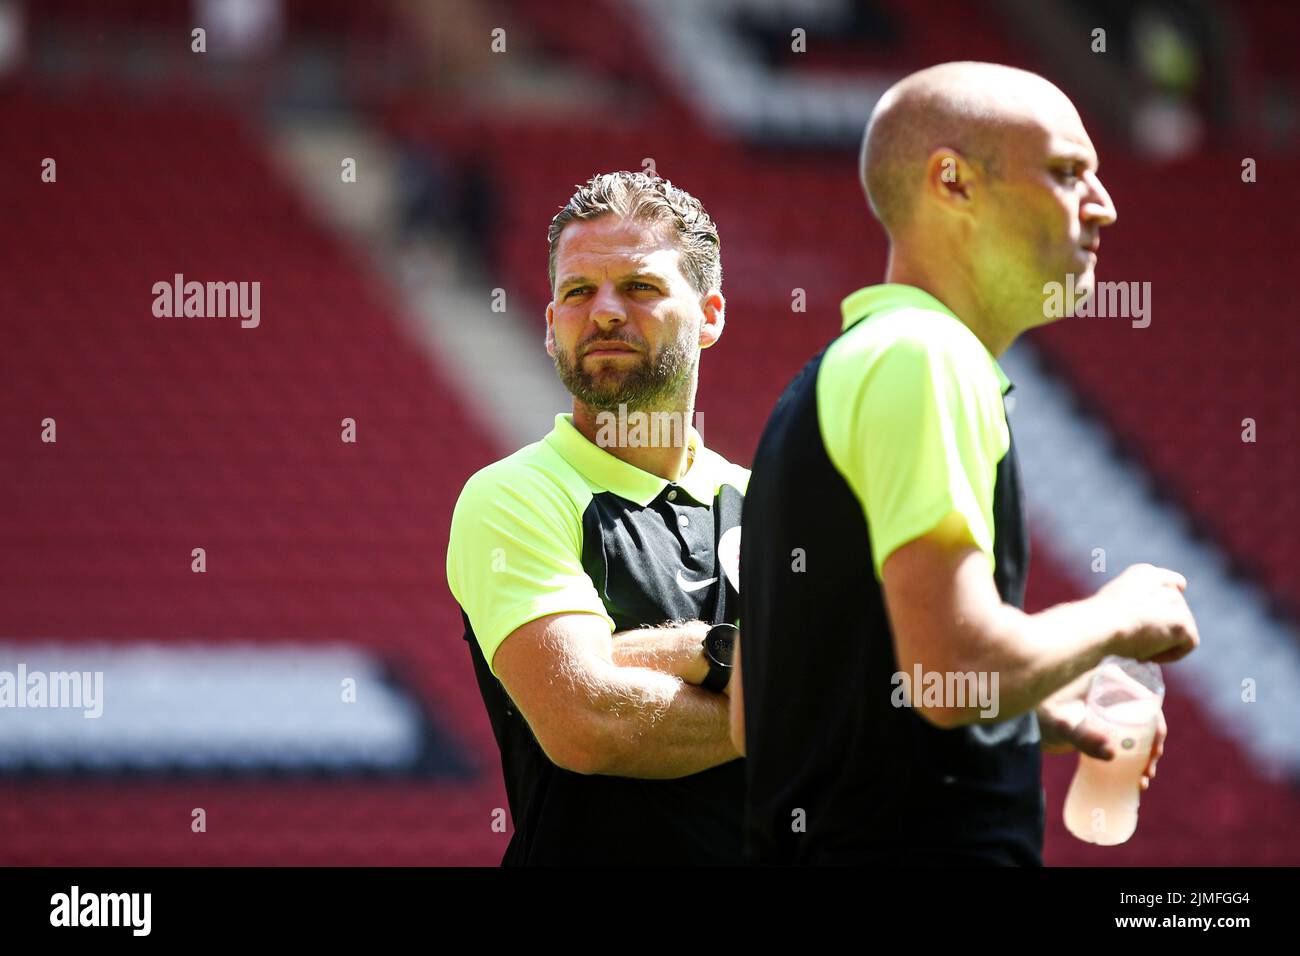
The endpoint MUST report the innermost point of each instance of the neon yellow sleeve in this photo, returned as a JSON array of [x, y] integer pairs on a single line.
[[917, 431], [515, 550]]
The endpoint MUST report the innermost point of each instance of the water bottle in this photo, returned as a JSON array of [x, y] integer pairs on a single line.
[[1124, 699]]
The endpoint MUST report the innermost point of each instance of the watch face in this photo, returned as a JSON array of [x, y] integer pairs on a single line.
[[722, 644]]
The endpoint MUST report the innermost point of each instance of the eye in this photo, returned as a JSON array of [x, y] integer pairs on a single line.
[[575, 290], [644, 285]]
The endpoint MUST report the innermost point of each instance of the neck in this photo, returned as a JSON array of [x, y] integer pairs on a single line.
[[954, 286], [657, 445]]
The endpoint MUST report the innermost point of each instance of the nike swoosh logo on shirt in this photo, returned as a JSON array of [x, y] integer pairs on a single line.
[[689, 586]]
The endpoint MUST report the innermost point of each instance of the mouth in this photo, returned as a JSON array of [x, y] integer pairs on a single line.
[[604, 351]]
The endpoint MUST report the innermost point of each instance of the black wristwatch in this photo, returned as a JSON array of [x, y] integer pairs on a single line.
[[718, 647]]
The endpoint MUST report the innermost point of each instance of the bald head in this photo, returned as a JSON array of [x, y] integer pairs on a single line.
[[971, 108]]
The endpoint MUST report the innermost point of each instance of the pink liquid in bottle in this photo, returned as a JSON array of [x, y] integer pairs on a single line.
[[1102, 804]]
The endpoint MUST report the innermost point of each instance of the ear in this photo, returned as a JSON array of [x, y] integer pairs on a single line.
[[550, 329], [714, 307], [949, 178]]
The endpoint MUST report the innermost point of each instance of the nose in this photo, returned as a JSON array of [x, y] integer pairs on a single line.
[[607, 309], [1097, 205]]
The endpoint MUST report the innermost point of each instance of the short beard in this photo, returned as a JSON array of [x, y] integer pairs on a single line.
[[646, 387]]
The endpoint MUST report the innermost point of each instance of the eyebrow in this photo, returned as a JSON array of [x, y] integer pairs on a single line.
[[572, 280], [643, 275], [640, 275], [1076, 155]]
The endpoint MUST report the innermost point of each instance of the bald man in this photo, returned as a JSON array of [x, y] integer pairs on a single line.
[[895, 697]]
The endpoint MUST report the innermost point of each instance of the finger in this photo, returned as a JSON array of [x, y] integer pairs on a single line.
[[1094, 745], [1167, 576], [1092, 740], [1157, 747], [1157, 744]]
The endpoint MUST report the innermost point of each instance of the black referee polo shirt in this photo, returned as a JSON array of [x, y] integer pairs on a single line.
[[564, 526], [896, 424]]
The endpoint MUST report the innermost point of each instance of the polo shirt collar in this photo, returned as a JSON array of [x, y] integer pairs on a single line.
[[889, 296], [627, 481]]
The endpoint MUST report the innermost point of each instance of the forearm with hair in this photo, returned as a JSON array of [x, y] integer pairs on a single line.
[[652, 725], [673, 648]]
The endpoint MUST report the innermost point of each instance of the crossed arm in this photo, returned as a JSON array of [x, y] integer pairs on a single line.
[[623, 705]]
